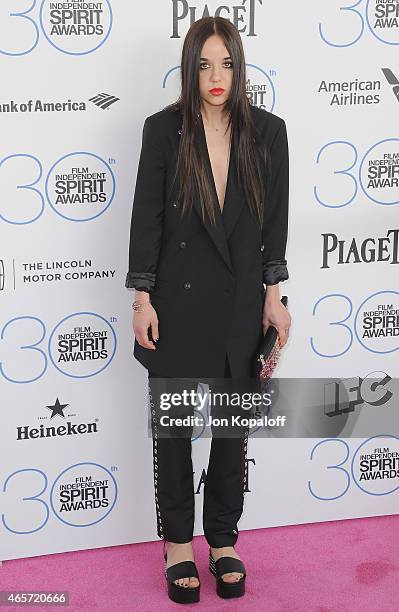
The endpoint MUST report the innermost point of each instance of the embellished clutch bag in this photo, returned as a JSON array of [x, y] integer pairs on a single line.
[[268, 353]]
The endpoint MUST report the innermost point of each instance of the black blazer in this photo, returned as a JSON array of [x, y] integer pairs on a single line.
[[205, 282]]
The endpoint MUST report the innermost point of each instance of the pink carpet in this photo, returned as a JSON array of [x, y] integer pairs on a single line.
[[339, 566]]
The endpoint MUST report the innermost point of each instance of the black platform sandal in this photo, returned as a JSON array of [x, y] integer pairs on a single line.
[[184, 569], [225, 565]]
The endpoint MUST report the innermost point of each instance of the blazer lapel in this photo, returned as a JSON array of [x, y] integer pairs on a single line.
[[233, 203]]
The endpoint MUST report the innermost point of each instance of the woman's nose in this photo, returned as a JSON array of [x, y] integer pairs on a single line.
[[215, 76]]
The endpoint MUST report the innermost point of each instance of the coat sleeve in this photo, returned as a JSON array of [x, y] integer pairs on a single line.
[[275, 220], [147, 213]]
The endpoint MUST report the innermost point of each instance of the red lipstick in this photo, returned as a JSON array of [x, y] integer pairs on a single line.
[[216, 91]]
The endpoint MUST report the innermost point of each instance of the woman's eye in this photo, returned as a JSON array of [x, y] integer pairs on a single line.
[[226, 64]]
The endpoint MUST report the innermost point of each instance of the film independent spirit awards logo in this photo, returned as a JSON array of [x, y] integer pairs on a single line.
[[377, 322], [76, 27], [375, 465]]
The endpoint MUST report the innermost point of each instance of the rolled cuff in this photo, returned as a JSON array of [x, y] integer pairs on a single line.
[[142, 281], [275, 271]]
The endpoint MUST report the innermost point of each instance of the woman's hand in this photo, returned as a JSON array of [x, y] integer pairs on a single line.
[[144, 320], [275, 313]]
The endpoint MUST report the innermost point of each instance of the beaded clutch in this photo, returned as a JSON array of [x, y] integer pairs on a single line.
[[268, 352]]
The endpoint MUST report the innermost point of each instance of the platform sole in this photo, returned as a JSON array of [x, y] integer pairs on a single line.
[[184, 595], [228, 590]]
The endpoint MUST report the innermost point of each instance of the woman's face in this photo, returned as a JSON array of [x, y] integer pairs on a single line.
[[215, 72]]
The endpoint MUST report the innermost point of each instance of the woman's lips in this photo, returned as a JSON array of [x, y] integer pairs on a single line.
[[216, 91]]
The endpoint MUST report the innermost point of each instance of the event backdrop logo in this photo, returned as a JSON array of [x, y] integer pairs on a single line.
[[377, 174], [392, 80], [374, 324], [383, 20], [351, 93], [357, 91], [55, 271], [82, 495], [56, 429], [59, 270], [79, 186], [353, 251], [375, 465], [372, 466], [345, 25], [82, 344], [377, 322], [242, 15], [74, 28], [260, 87], [102, 100]]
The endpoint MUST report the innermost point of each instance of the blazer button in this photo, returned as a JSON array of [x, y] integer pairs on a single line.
[[183, 245], [175, 204], [262, 248], [187, 285]]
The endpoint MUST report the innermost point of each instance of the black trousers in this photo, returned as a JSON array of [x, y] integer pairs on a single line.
[[224, 488]]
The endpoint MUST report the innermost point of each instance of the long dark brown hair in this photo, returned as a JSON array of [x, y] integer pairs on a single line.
[[251, 155]]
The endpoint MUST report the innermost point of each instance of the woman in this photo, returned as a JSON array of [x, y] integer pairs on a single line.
[[209, 229]]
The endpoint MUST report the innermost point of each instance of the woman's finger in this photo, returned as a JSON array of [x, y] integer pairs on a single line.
[[283, 336], [154, 329], [142, 337], [265, 327]]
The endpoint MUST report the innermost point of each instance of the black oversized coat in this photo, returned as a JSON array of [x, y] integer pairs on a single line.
[[205, 283]]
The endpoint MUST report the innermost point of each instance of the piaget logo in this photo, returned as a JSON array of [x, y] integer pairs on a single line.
[[241, 14], [356, 250]]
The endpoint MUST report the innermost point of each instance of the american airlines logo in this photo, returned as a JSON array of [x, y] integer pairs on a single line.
[[103, 100], [392, 80]]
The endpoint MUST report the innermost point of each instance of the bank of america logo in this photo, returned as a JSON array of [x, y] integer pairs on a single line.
[[1, 275], [103, 100], [392, 80]]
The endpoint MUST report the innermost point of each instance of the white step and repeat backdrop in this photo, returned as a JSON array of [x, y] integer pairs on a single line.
[[78, 79]]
